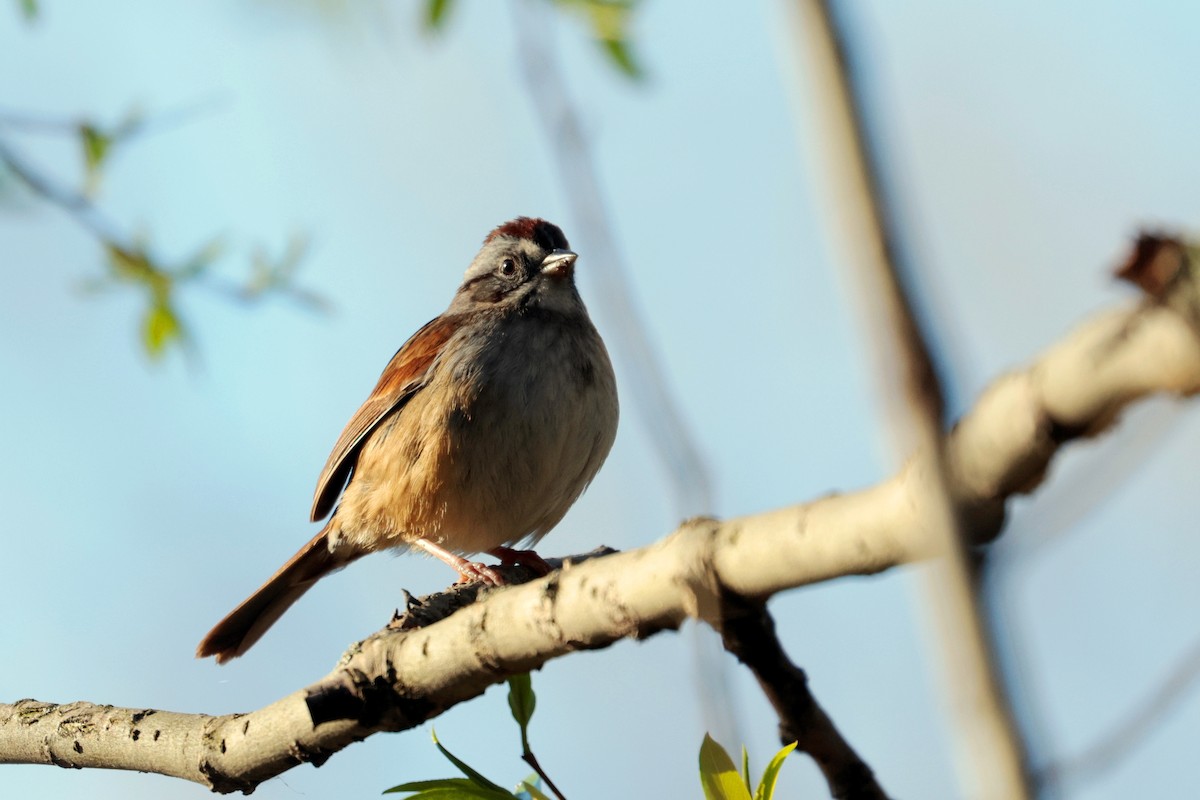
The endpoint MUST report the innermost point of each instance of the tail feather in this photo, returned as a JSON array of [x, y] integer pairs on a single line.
[[245, 625]]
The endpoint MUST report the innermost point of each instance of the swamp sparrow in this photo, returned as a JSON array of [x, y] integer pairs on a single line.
[[482, 431]]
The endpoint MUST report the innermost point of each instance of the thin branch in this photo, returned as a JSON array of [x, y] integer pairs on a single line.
[[77, 206], [529, 758], [134, 125], [403, 675], [993, 757], [23, 120], [748, 632], [1111, 749]]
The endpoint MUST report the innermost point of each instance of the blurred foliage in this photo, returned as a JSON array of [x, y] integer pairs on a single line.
[[132, 263], [608, 20], [278, 277], [721, 780], [435, 13], [162, 327]]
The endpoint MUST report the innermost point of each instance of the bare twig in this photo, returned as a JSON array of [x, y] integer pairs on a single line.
[[1131, 732], [134, 125], [76, 205], [529, 758]]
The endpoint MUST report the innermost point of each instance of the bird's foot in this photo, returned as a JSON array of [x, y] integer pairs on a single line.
[[467, 570], [526, 558]]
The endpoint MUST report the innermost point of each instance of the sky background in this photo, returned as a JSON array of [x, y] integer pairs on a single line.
[[1027, 143]]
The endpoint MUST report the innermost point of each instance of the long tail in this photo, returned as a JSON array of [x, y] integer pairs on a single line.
[[245, 625]]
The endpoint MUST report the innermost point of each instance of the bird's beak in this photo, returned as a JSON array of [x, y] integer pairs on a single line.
[[559, 263]]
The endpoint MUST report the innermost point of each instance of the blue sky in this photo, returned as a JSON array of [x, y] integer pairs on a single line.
[[1027, 142]]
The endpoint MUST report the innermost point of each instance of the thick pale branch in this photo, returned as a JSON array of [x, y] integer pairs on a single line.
[[400, 677]]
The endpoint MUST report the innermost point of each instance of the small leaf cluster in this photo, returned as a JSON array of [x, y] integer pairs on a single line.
[[98, 142], [162, 326], [131, 262], [721, 780]]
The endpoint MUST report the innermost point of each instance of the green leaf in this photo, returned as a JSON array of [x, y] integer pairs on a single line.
[[131, 265], [98, 144], [95, 145], [448, 789], [29, 8], [475, 776], [618, 52], [718, 775], [521, 700], [766, 787], [746, 769], [435, 13], [435, 783], [136, 266], [609, 23], [161, 328]]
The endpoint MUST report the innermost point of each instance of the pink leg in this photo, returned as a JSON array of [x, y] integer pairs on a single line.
[[467, 570], [527, 558]]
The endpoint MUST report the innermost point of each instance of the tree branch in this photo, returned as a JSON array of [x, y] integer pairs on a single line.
[[748, 632], [402, 676]]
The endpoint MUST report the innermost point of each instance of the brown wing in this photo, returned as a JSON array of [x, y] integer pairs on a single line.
[[404, 375]]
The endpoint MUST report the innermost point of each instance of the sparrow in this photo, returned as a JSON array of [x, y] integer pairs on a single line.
[[484, 428]]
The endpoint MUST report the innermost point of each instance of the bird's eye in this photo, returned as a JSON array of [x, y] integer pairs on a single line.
[[508, 267]]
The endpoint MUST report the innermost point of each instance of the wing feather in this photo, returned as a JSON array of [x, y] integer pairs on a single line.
[[403, 377]]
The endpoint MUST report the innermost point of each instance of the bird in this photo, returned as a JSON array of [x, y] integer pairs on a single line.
[[482, 431]]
